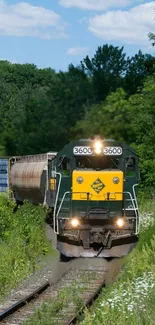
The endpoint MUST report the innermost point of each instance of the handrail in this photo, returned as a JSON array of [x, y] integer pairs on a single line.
[[132, 199], [60, 209], [135, 209], [133, 188], [135, 206], [47, 184], [56, 201], [60, 206], [67, 192], [134, 193]]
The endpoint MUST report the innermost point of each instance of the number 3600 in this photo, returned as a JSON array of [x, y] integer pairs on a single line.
[[82, 151], [112, 151]]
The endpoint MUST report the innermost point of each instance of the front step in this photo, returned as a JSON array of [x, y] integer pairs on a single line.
[[123, 240]]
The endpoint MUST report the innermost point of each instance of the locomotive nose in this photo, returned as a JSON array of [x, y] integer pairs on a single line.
[[97, 185]]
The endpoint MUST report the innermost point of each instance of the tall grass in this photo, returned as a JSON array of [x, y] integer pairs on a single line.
[[131, 299], [22, 241]]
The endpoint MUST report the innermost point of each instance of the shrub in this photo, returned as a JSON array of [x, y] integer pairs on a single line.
[[131, 299], [23, 240]]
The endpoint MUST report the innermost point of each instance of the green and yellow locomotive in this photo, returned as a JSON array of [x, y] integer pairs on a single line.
[[90, 186]]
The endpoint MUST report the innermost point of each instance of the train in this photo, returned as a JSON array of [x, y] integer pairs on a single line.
[[90, 190]]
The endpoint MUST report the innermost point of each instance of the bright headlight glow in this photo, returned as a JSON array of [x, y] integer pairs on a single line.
[[98, 147], [75, 222], [120, 222]]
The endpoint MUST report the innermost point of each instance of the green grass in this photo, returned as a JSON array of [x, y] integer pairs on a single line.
[[22, 242], [131, 299]]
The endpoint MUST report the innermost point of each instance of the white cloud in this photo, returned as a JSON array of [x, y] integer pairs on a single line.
[[130, 26], [77, 50], [97, 4], [23, 19]]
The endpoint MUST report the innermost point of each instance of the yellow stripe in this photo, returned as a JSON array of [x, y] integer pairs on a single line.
[[98, 184]]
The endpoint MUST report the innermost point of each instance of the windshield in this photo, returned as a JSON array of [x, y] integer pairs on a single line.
[[97, 163]]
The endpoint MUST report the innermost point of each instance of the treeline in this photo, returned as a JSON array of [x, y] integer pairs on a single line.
[[110, 94]]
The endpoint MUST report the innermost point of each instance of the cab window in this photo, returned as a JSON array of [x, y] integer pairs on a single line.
[[97, 163], [130, 166], [65, 166]]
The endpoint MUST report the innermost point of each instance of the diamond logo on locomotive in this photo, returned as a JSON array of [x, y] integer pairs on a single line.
[[98, 186]]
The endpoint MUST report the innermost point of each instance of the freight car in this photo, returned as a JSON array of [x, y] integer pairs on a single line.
[[90, 187]]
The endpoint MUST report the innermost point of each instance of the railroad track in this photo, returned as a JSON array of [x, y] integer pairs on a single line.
[[80, 287]]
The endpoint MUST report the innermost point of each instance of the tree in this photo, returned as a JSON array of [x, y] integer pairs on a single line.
[[106, 70], [71, 94], [152, 38], [143, 112], [139, 67], [41, 110], [110, 119], [41, 107]]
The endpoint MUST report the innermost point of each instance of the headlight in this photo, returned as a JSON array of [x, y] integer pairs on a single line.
[[75, 222], [116, 180], [120, 222], [79, 180], [98, 147]]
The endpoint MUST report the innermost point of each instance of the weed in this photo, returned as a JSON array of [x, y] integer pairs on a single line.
[[131, 299], [22, 240], [70, 295]]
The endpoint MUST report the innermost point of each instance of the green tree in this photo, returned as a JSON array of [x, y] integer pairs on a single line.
[[69, 97], [152, 38], [110, 119], [26, 131], [143, 121], [39, 107], [139, 67], [106, 70]]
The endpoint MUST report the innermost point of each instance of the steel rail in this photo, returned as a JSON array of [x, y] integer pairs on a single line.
[[21, 303], [88, 296], [88, 304]]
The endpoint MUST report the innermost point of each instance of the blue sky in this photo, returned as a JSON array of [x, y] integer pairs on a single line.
[[54, 33]]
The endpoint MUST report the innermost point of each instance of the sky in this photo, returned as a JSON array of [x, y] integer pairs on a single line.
[[55, 33]]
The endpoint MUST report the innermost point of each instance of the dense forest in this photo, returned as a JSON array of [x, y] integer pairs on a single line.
[[110, 94]]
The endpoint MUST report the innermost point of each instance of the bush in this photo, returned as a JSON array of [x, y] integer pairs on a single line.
[[131, 299], [23, 240]]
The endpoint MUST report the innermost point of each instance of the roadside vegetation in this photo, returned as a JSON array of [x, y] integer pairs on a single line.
[[22, 242], [131, 299]]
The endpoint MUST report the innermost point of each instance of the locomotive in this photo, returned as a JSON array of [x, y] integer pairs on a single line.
[[90, 187]]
